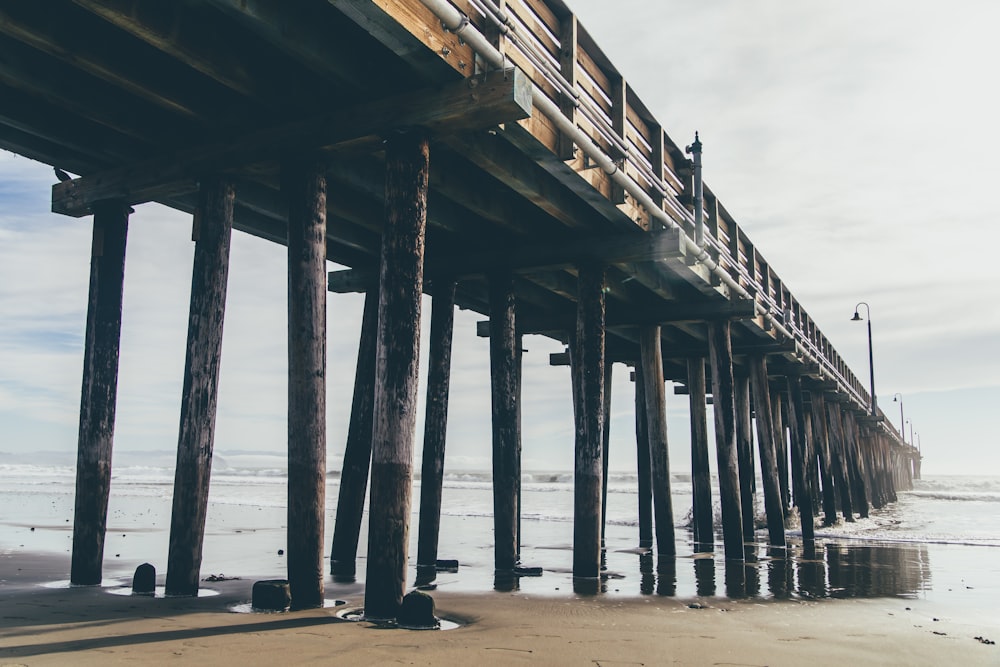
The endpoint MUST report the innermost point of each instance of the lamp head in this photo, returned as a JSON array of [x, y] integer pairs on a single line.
[[856, 318]]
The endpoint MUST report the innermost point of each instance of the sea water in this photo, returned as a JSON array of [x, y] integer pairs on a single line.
[[942, 537]]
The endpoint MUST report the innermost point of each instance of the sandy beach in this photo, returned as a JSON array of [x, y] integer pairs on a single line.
[[45, 622]]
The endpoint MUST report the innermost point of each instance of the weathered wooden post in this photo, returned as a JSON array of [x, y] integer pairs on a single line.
[[503, 373], [656, 425], [780, 448], [744, 452], [401, 277], [358, 450], [821, 437], [589, 467], [701, 479], [213, 226], [643, 481], [396, 367], [765, 443], [100, 390], [837, 459], [435, 427], [305, 186], [605, 449], [797, 427], [859, 487], [724, 409]]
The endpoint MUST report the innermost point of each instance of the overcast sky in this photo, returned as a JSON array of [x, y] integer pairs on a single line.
[[854, 141]]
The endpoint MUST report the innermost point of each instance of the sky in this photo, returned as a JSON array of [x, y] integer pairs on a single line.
[[855, 142]]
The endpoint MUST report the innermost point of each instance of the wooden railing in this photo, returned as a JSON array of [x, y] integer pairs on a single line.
[[544, 39]]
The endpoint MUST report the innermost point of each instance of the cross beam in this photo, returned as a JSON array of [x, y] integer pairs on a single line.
[[470, 104]]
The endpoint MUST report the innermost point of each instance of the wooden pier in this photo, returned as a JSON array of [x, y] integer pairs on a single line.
[[485, 152]]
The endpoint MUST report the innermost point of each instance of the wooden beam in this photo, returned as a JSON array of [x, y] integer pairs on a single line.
[[470, 104], [613, 249], [628, 317]]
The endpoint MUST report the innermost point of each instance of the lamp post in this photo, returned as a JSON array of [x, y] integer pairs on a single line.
[[871, 360], [902, 424]]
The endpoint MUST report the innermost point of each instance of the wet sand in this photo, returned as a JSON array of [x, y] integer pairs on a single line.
[[53, 624]]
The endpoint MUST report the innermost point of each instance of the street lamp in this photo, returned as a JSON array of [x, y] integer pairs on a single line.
[[911, 429], [902, 424], [871, 361]]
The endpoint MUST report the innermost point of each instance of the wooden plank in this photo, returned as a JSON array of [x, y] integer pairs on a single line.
[[199, 398], [476, 103], [99, 395], [567, 67], [412, 31]]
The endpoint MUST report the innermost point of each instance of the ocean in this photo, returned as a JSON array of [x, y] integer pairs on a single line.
[[939, 540]]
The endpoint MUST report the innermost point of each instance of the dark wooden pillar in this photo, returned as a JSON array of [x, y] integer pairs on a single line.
[[589, 466], [765, 443], [435, 424], [724, 408], [821, 438], [859, 487], [744, 453], [100, 390], [605, 449], [798, 445], [701, 478], [397, 368], [656, 425], [213, 231], [780, 448], [503, 372], [644, 481], [401, 278], [358, 450], [837, 461], [305, 186]]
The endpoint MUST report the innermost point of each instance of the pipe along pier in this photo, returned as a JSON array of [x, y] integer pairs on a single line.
[[485, 152]]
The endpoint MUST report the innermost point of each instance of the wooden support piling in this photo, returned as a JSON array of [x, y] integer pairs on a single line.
[[396, 367], [780, 449], [358, 450], [724, 410], [503, 372], [605, 449], [435, 423], [837, 461], [799, 445], [643, 481], [99, 393], [305, 185], [859, 489], [765, 443], [701, 479], [214, 226], [656, 425], [589, 466], [821, 439], [744, 453]]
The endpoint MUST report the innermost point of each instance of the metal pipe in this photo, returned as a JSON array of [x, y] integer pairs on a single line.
[[699, 193], [459, 24]]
